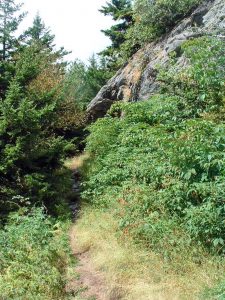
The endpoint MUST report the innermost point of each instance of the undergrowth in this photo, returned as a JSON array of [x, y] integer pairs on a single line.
[[162, 161], [34, 256]]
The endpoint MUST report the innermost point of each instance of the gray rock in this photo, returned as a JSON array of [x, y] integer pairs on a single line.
[[137, 80]]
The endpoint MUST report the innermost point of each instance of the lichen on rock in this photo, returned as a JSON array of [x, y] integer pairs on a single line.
[[137, 80]]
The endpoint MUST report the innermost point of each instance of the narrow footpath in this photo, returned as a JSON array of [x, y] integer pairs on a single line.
[[90, 283]]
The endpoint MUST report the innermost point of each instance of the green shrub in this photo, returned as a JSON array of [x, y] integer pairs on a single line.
[[180, 167], [163, 161], [199, 80], [33, 258]]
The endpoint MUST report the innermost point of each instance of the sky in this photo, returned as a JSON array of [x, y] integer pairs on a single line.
[[76, 24]]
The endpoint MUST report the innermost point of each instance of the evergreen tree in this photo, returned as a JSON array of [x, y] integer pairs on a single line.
[[39, 33], [96, 76], [10, 18], [119, 10], [84, 81], [9, 22], [30, 150]]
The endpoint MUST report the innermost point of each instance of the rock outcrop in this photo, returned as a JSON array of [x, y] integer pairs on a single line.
[[137, 80]]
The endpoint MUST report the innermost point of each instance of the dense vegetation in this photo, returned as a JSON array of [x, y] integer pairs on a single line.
[[31, 148], [42, 119], [161, 165], [39, 125], [158, 164], [42, 112], [33, 257], [82, 82]]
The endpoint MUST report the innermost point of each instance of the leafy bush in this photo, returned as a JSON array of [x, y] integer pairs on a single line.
[[33, 258], [180, 168], [163, 161], [197, 79]]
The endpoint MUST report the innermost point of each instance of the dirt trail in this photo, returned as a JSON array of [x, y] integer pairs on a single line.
[[90, 283]]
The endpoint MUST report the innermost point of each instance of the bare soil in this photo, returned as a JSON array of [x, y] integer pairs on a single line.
[[90, 283]]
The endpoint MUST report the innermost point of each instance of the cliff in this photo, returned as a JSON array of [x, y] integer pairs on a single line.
[[138, 79]]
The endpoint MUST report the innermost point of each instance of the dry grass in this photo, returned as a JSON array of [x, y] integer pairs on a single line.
[[133, 273], [76, 162]]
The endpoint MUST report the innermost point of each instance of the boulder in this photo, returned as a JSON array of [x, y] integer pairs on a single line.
[[137, 79]]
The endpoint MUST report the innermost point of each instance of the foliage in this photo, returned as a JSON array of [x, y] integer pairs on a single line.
[[122, 12], [152, 19], [39, 33], [9, 22], [30, 149], [10, 18], [33, 257], [83, 82], [199, 78], [163, 161], [38, 122]]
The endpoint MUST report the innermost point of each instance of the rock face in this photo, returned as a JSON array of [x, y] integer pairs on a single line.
[[137, 80]]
